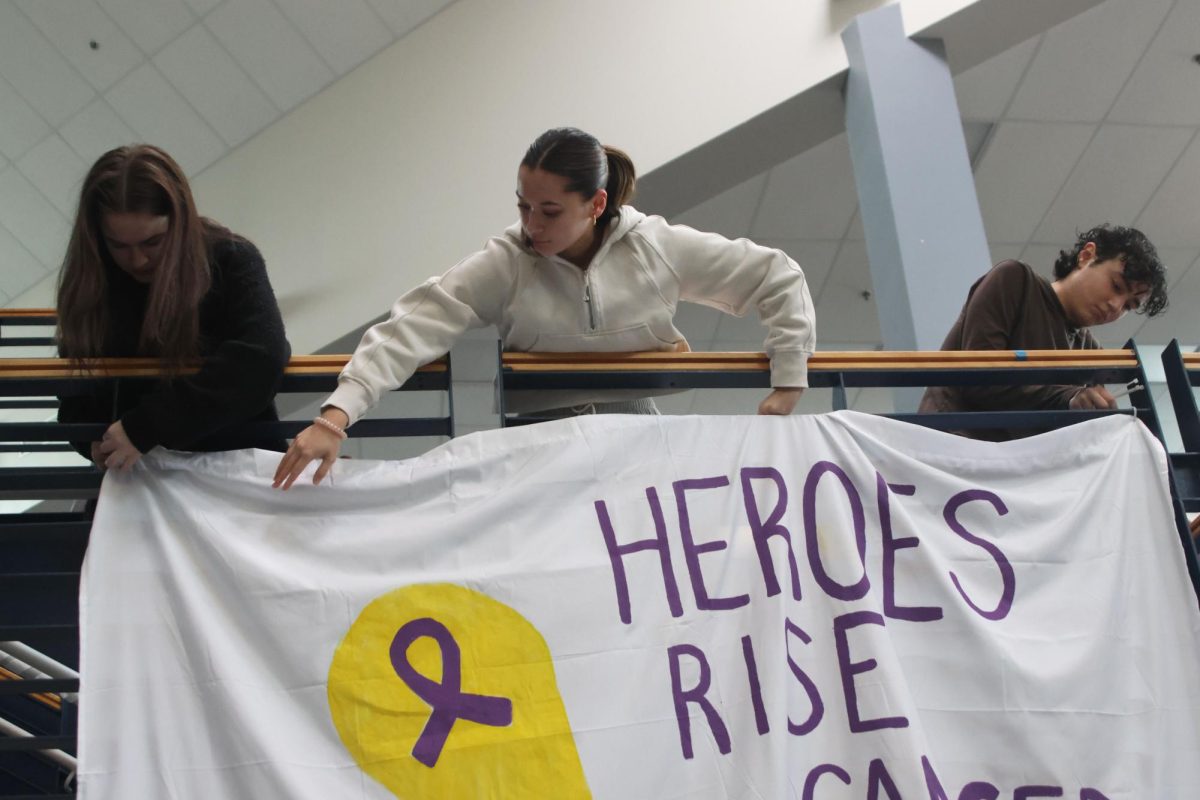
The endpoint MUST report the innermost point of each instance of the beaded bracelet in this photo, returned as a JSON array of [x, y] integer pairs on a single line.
[[324, 423]]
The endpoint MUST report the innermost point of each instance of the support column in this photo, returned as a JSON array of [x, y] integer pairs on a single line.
[[925, 236]]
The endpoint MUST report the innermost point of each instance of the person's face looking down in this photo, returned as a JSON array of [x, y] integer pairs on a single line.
[[135, 240], [557, 221], [1097, 293]]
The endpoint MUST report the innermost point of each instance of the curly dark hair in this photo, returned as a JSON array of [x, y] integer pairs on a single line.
[[1136, 252]]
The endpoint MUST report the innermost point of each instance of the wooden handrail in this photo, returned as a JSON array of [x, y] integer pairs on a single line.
[[1191, 360], [821, 361], [28, 313], [152, 367]]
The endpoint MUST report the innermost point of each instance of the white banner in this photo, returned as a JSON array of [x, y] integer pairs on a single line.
[[820, 607]]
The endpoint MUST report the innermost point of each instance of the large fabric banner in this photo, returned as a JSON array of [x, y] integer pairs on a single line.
[[830, 607]]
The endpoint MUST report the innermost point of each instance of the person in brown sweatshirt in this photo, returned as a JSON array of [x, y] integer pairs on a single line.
[[1110, 270]]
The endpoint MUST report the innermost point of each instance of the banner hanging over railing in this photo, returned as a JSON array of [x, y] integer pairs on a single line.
[[837, 606]]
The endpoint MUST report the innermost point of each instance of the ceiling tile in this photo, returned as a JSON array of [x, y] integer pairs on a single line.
[[1180, 320], [36, 70], [843, 313], [344, 33], [1042, 256], [1021, 171], [277, 57], [1114, 180], [985, 90], [402, 16], [156, 112], [71, 25], [1179, 262], [1172, 217], [215, 86], [21, 270], [31, 219], [56, 171], [729, 213], [96, 130], [1165, 87], [1083, 63], [150, 23], [811, 196], [1001, 251], [202, 7], [20, 126]]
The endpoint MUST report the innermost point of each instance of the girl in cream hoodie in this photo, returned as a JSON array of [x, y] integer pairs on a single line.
[[581, 272]]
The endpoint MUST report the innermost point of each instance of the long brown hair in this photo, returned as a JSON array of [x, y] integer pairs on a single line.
[[140, 179], [587, 165]]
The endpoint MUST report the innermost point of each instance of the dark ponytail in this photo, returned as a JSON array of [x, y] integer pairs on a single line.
[[587, 165], [621, 184]]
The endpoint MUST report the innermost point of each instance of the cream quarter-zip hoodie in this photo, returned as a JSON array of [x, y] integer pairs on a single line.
[[624, 301]]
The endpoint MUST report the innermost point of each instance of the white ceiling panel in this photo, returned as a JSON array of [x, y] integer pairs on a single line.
[[1042, 256], [855, 319], [345, 33], [150, 23], [56, 171], [20, 126], [1000, 251], [1022, 171], [402, 16], [96, 130], [729, 213], [1083, 63], [215, 86], [32, 219], [984, 91], [811, 196], [1179, 263], [148, 104], [1172, 217], [21, 270], [1181, 320], [37, 71], [268, 47], [71, 25], [1114, 180], [1165, 88], [202, 7]]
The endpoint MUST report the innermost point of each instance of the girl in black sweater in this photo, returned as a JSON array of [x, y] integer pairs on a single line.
[[146, 275]]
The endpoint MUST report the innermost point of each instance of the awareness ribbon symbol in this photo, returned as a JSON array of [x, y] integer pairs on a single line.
[[448, 701]]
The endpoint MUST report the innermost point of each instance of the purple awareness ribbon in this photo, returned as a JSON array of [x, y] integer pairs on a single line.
[[446, 699]]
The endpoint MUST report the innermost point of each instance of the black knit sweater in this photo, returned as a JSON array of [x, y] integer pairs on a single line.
[[243, 352]]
